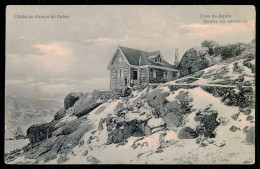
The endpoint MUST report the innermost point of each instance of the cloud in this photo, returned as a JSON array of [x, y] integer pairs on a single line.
[[54, 56]]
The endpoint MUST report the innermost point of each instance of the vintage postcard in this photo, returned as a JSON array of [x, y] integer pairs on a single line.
[[130, 84]]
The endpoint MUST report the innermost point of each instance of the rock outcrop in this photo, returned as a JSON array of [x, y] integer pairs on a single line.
[[250, 135], [187, 133], [40, 132], [120, 131], [60, 114], [70, 99]]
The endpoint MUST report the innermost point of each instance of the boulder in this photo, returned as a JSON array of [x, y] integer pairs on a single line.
[[235, 116], [60, 114], [198, 74], [241, 78], [247, 112], [100, 124], [86, 108], [61, 144], [93, 160], [195, 59], [85, 153], [187, 133], [210, 44], [62, 160], [234, 128], [70, 99], [250, 135], [120, 131], [126, 91], [39, 132], [249, 118]]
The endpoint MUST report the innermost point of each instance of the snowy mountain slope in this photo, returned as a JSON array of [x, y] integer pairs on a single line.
[[22, 112], [204, 118]]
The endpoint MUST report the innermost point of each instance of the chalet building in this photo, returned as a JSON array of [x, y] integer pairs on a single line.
[[131, 67]]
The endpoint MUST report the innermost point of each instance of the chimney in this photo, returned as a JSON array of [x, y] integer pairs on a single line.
[[176, 61]]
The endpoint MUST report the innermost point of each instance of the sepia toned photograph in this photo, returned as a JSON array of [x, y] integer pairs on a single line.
[[130, 84]]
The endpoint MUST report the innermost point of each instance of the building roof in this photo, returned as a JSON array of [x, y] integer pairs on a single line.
[[140, 58]]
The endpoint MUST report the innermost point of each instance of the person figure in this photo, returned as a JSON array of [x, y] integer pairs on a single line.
[[125, 81]]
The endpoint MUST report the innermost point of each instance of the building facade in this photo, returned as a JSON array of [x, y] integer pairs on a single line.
[[131, 67]]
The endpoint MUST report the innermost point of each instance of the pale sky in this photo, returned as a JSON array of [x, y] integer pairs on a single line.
[[49, 58]]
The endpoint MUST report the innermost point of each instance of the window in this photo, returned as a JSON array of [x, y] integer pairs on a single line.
[[122, 74], [158, 59], [154, 73], [135, 74], [173, 74], [118, 74]]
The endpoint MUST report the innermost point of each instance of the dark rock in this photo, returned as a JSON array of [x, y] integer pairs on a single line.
[[198, 74], [222, 145], [49, 158], [203, 145], [234, 128], [118, 136], [144, 95], [81, 143], [187, 80], [247, 112], [62, 160], [247, 83], [85, 153], [235, 116], [250, 135], [70, 99], [126, 129], [140, 154], [241, 78], [187, 133], [143, 113], [153, 94], [126, 91], [60, 114], [93, 160], [86, 109], [245, 129], [119, 105], [208, 123], [59, 144], [69, 127], [247, 89], [249, 118], [161, 137], [40, 132], [100, 124], [159, 151], [144, 144], [228, 102], [93, 132], [210, 44]]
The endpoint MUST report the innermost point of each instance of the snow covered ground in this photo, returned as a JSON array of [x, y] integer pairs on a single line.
[[15, 144]]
